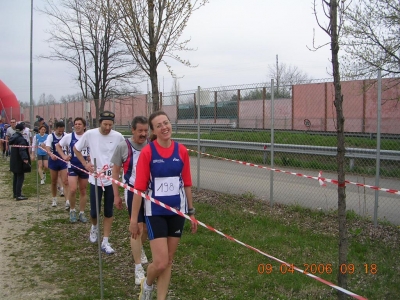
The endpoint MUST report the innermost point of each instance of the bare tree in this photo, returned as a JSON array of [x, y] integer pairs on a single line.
[[42, 99], [84, 34], [285, 76], [175, 91], [152, 31], [333, 11], [371, 38]]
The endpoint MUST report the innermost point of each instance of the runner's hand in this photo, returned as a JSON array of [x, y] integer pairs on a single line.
[[134, 229], [194, 224], [89, 167], [118, 202]]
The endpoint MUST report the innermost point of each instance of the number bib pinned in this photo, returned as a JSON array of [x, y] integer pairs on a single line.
[[166, 186]]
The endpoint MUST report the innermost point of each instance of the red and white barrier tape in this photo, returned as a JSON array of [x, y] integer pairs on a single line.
[[127, 187], [147, 197], [319, 178]]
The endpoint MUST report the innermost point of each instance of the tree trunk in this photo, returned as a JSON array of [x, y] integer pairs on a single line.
[[343, 242], [153, 58]]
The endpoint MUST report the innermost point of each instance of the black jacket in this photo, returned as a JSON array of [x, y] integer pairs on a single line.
[[19, 154]]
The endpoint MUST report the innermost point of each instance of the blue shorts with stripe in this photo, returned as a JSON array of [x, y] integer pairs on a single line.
[[76, 172], [163, 226], [57, 165]]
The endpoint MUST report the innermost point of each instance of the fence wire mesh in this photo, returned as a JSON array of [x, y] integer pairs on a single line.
[[237, 123]]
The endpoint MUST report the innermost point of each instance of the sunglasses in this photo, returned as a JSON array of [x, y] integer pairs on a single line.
[[107, 114]]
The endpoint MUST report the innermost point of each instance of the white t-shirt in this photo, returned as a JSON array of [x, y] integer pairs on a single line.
[[26, 133], [101, 148], [65, 144]]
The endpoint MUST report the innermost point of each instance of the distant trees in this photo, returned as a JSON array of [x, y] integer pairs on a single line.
[[44, 100], [285, 76], [175, 90], [371, 38], [152, 30], [84, 34]]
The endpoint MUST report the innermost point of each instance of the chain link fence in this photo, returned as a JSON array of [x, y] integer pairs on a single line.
[[293, 129], [286, 127]]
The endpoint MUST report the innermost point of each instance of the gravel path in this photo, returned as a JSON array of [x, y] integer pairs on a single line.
[[17, 258]]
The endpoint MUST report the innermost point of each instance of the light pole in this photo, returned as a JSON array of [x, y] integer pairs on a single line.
[[31, 92]]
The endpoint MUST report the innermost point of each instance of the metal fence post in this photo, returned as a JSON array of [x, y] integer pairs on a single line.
[[378, 147], [198, 138], [271, 180], [98, 232]]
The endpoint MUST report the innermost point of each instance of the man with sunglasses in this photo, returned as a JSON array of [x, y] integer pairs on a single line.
[[102, 142], [9, 133]]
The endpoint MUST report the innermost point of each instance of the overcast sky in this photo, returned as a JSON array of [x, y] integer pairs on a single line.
[[236, 40]]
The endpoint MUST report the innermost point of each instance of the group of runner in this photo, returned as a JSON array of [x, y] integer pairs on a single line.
[[160, 169]]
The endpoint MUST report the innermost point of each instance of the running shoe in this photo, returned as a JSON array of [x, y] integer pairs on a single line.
[[72, 216], [67, 205], [106, 248], [139, 275], [42, 181], [61, 191], [143, 259], [93, 235], [145, 294], [54, 203], [82, 218]]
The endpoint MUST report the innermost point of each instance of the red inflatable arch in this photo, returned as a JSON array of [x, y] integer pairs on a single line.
[[9, 105]]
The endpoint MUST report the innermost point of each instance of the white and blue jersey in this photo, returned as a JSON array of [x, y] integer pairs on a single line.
[[39, 140], [85, 151], [56, 165], [166, 184]]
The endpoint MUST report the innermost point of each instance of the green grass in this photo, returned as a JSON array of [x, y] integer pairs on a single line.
[[209, 266]]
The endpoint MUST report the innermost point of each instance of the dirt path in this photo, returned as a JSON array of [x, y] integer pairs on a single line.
[[17, 258]]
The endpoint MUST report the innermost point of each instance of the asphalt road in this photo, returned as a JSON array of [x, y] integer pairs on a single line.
[[234, 178]]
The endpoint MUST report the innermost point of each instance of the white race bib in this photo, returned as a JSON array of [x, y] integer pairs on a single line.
[[166, 186], [84, 152]]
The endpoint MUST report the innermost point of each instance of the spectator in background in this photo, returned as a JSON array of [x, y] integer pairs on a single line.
[[9, 133], [1, 133], [20, 162], [42, 157], [51, 125], [43, 123], [70, 124], [36, 124], [26, 133], [5, 152]]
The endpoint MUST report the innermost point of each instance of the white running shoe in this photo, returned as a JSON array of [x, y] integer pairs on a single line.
[[145, 294], [42, 181], [93, 235], [143, 259], [106, 248], [67, 205], [54, 203], [139, 275]]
